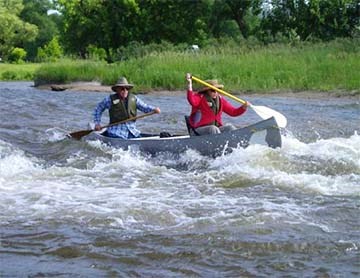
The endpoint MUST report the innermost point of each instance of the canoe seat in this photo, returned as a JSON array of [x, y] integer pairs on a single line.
[[190, 129]]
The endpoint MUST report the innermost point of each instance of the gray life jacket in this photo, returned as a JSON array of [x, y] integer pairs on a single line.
[[121, 110]]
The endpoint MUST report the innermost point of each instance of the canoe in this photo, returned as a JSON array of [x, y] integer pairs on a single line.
[[265, 132]]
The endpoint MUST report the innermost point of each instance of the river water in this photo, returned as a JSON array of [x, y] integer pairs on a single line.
[[83, 209]]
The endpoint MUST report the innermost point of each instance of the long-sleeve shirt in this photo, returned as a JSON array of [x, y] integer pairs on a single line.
[[199, 103], [125, 130]]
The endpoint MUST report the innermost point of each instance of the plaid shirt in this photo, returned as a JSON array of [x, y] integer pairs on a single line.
[[125, 130]]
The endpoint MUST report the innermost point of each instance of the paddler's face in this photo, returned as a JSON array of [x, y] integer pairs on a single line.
[[212, 93], [122, 91]]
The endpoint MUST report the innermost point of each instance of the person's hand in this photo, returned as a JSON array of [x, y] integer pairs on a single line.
[[98, 127], [157, 110], [189, 80], [247, 104]]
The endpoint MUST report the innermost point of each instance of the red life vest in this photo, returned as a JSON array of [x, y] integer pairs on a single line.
[[202, 114]]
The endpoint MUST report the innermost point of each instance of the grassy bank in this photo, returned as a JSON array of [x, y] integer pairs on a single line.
[[318, 67], [21, 72]]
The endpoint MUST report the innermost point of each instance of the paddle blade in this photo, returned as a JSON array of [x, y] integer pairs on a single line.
[[79, 134], [266, 113]]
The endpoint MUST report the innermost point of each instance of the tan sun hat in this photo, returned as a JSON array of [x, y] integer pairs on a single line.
[[212, 82], [122, 82]]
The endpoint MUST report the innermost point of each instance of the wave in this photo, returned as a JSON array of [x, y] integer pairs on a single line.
[[127, 190], [329, 167]]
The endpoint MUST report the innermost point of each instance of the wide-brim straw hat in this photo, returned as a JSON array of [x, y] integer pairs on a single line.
[[212, 82], [122, 82]]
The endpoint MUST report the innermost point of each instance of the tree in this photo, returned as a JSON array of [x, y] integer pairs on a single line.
[[36, 12], [104, 24], [118, 21], [241, 11], [182, 21], [320, 19], [17, 55], [113, 24], [50, 52], [336, 18], [13, 31]]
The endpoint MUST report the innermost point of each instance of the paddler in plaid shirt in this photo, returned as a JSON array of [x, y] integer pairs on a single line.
[[121, 105]]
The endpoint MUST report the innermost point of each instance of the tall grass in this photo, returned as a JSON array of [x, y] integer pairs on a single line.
[[318, 67], [16, 72]]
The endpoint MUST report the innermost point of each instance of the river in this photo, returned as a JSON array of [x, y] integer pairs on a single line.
[[82, 209]]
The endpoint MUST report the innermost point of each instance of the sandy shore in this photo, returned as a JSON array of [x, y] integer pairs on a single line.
[[97, 87]]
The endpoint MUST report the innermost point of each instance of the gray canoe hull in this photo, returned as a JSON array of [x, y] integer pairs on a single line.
[[265, 132]]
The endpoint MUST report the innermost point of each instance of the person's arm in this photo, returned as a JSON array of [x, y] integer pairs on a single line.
[[193, 99], [104, 104], [229, 109], [142, 106]]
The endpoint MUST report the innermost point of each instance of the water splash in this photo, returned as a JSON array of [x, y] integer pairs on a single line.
[[55, 134]]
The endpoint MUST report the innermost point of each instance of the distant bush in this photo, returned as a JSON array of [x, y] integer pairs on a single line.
[[11, 75], [17, 55], [8, 75], [96, 53], [50, 52], [138, 50]]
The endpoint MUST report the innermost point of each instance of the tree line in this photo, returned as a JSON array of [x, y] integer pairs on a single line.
[[113, 30]]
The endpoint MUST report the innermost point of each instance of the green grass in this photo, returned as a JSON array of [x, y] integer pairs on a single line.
[[18, 72], [329, 66]]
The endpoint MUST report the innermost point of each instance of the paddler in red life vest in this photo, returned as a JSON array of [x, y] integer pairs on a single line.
[[207, 107], [122, 105]]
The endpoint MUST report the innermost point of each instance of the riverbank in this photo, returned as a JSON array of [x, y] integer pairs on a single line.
[[330, 69], [327, 67], [97, 87]]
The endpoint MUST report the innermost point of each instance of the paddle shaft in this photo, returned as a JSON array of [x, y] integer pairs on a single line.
[[218, 90], [79, 134]]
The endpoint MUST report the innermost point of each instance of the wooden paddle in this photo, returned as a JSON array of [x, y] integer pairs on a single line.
[[81, 133], [263, 111]]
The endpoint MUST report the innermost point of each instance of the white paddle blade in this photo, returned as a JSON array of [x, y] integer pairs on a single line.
[[266, 113]]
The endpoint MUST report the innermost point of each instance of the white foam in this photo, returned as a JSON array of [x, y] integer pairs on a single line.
[[55, 134], [127, 190]]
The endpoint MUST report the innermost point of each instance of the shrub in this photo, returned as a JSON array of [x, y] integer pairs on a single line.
[[8, 75], [17, 55], [96, 53], [51, 52]]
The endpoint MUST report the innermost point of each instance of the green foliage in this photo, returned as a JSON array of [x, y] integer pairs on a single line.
[[35, 12], [13, 31], [51, 52], [107, 29], [321, 66], [138, 50], [66, 71], [17, 55], [174, 21], [312, 19], [8, 75], [16, 76], [15, 6], [96, 53], [104, 24], [11, 72]]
